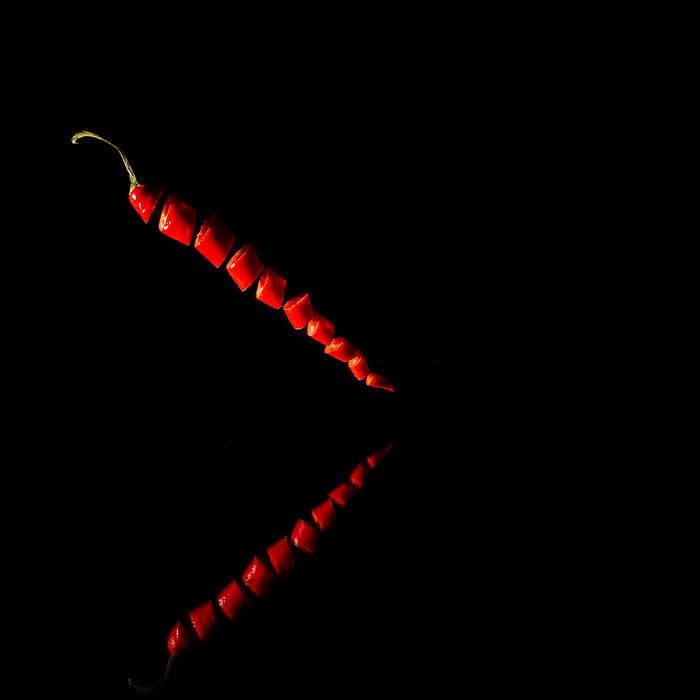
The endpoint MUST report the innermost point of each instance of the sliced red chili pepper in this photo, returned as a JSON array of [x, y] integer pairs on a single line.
[[299, 311], [324, 515], [259, 577], [144, 198], [271, 288], [341, 348], [376, 457], [305, 537], [376, 380], [177, 219], [181, 639], [342, 495], [320, 328], [233, 601], [281, 556], [358, 366], [204, 620], [214, 240], [359, 475], [245, 266]]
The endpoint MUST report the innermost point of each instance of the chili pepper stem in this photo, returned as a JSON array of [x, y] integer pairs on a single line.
[[148, 689], [132, 178]]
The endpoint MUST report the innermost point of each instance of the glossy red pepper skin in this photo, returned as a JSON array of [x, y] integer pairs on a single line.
[[233, 601], [299, 311], [270, 289], [342, 495], [281, 556], [358, 366], [376, 457], [204, 620], [359, 475], [320, 328], [145, 198], [341, 348], [177, 219], [376, 380], [181, 639], [259, 577], [214, 240], [324, 515], [305, 537], [245, 266]]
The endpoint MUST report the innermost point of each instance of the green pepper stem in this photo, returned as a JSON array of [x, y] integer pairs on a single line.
[[132, 178], [148, 689]]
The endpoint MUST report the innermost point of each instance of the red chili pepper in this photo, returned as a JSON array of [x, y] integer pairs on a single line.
[[358, 366], [214, 240], [343, 494], [281, 556], [376, 457], [259, 577], [305, 537], [177, 219], [324, 515], [245, 266], [144, 198], [342, 349], [233, 601], [181, 639], [271, 288], [204, 620], [299, 311], [320, 328], [359, 475], [374, 379]]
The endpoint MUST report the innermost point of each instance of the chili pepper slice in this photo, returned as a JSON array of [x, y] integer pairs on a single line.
[[259, 577], [214, 240], [376, 457], [233, 601], [299, 311], [342, 495], [281, 556], [245, 266], [305, 537], [324, 515], [204, 620], [181, 639], [320, 328], [144, 198], [376, 380], [358, 366], [359, 475], [341, 348], [271, 288], [177, 219]]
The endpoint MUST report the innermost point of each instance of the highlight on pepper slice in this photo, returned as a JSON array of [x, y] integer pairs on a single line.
[[305, 537], [299, 311], [204, 620], [245, 266], [281, 556], [259, 577], [181, 639], [359, 475], [144, 198], [358, 366], [214, 240], [376, 380], [320, 328], [341, 348], [271, 288], [343, 494], [233, 601], [177, 219], [324, 515]]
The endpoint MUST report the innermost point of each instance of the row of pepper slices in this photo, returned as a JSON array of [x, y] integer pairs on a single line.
[[261, 574], [215, 242]]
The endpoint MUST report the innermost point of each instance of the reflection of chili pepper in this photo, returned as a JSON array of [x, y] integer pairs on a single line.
[[177, 219], [259, 577], [305, 537], [245, 266], [281, 556], [271, 288], [341, 348], [324, 515], [358, 366], [214, 240], [320, 328], [374, 379], [299, 311]]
